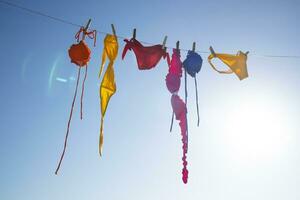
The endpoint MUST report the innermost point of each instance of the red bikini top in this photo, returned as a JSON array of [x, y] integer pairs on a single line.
[[147, 57]]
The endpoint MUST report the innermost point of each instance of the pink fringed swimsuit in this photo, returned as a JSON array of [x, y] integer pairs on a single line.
[[179, 107]]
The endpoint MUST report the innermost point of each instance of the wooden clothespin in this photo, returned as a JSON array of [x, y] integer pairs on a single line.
[[86, 28], [88, 25], [212, 51], [194, 46], [113, 30], [134, 33], [164, 42], [177, 45]]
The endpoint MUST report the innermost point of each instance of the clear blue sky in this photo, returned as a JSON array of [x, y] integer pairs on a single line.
[[247, 145]]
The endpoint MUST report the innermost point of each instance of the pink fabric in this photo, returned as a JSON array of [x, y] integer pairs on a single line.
[[178, 106], [173, 82], [179, 109], [175, 73], [147, 57], [176, 64]]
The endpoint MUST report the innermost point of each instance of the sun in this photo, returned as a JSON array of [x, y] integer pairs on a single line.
[[255, 131]]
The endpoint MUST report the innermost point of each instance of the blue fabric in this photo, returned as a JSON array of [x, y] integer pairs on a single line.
[[193, 63]]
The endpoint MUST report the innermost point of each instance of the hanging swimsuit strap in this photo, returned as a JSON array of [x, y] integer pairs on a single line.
[[82, 92], [196, 88], [129, 45], [168, 57], [92, 35], [69, 122]]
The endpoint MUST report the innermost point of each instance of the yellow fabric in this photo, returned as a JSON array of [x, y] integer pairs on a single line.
[[108, 85], [110, 50], [237, 63]]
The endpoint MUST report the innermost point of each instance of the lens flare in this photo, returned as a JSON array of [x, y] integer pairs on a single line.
[[25, 65], [61, 80], [52, 72]]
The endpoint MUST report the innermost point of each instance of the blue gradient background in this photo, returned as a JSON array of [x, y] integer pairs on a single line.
[[142, 160]]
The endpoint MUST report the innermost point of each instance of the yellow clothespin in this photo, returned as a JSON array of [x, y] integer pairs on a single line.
[[134, 33], [113, 30], [212, 51], [194, 46]]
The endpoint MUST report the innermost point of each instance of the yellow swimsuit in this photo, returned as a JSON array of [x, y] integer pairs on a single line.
[[236, 63], [108, 85]]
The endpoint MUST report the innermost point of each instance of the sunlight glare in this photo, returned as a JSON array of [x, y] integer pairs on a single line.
[[255, 131]]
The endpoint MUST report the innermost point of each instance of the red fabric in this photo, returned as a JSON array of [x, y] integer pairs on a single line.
[[80, 53], [91, 35], [147, 57]]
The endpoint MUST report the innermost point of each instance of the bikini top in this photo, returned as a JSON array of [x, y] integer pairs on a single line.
[[193, 63], [175, 73], [147, 57]]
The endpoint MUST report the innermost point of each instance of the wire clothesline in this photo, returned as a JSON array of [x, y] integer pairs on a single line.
[[58, 19]]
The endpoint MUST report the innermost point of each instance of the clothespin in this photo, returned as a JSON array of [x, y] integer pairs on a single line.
[[164, 42], [134, 33], [88, 25], [247, 53], [212, 51], [194, 46], [177, 45], [113, 29], [86, 28]]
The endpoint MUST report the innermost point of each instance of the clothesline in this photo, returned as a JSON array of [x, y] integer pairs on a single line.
[[58, 19]]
